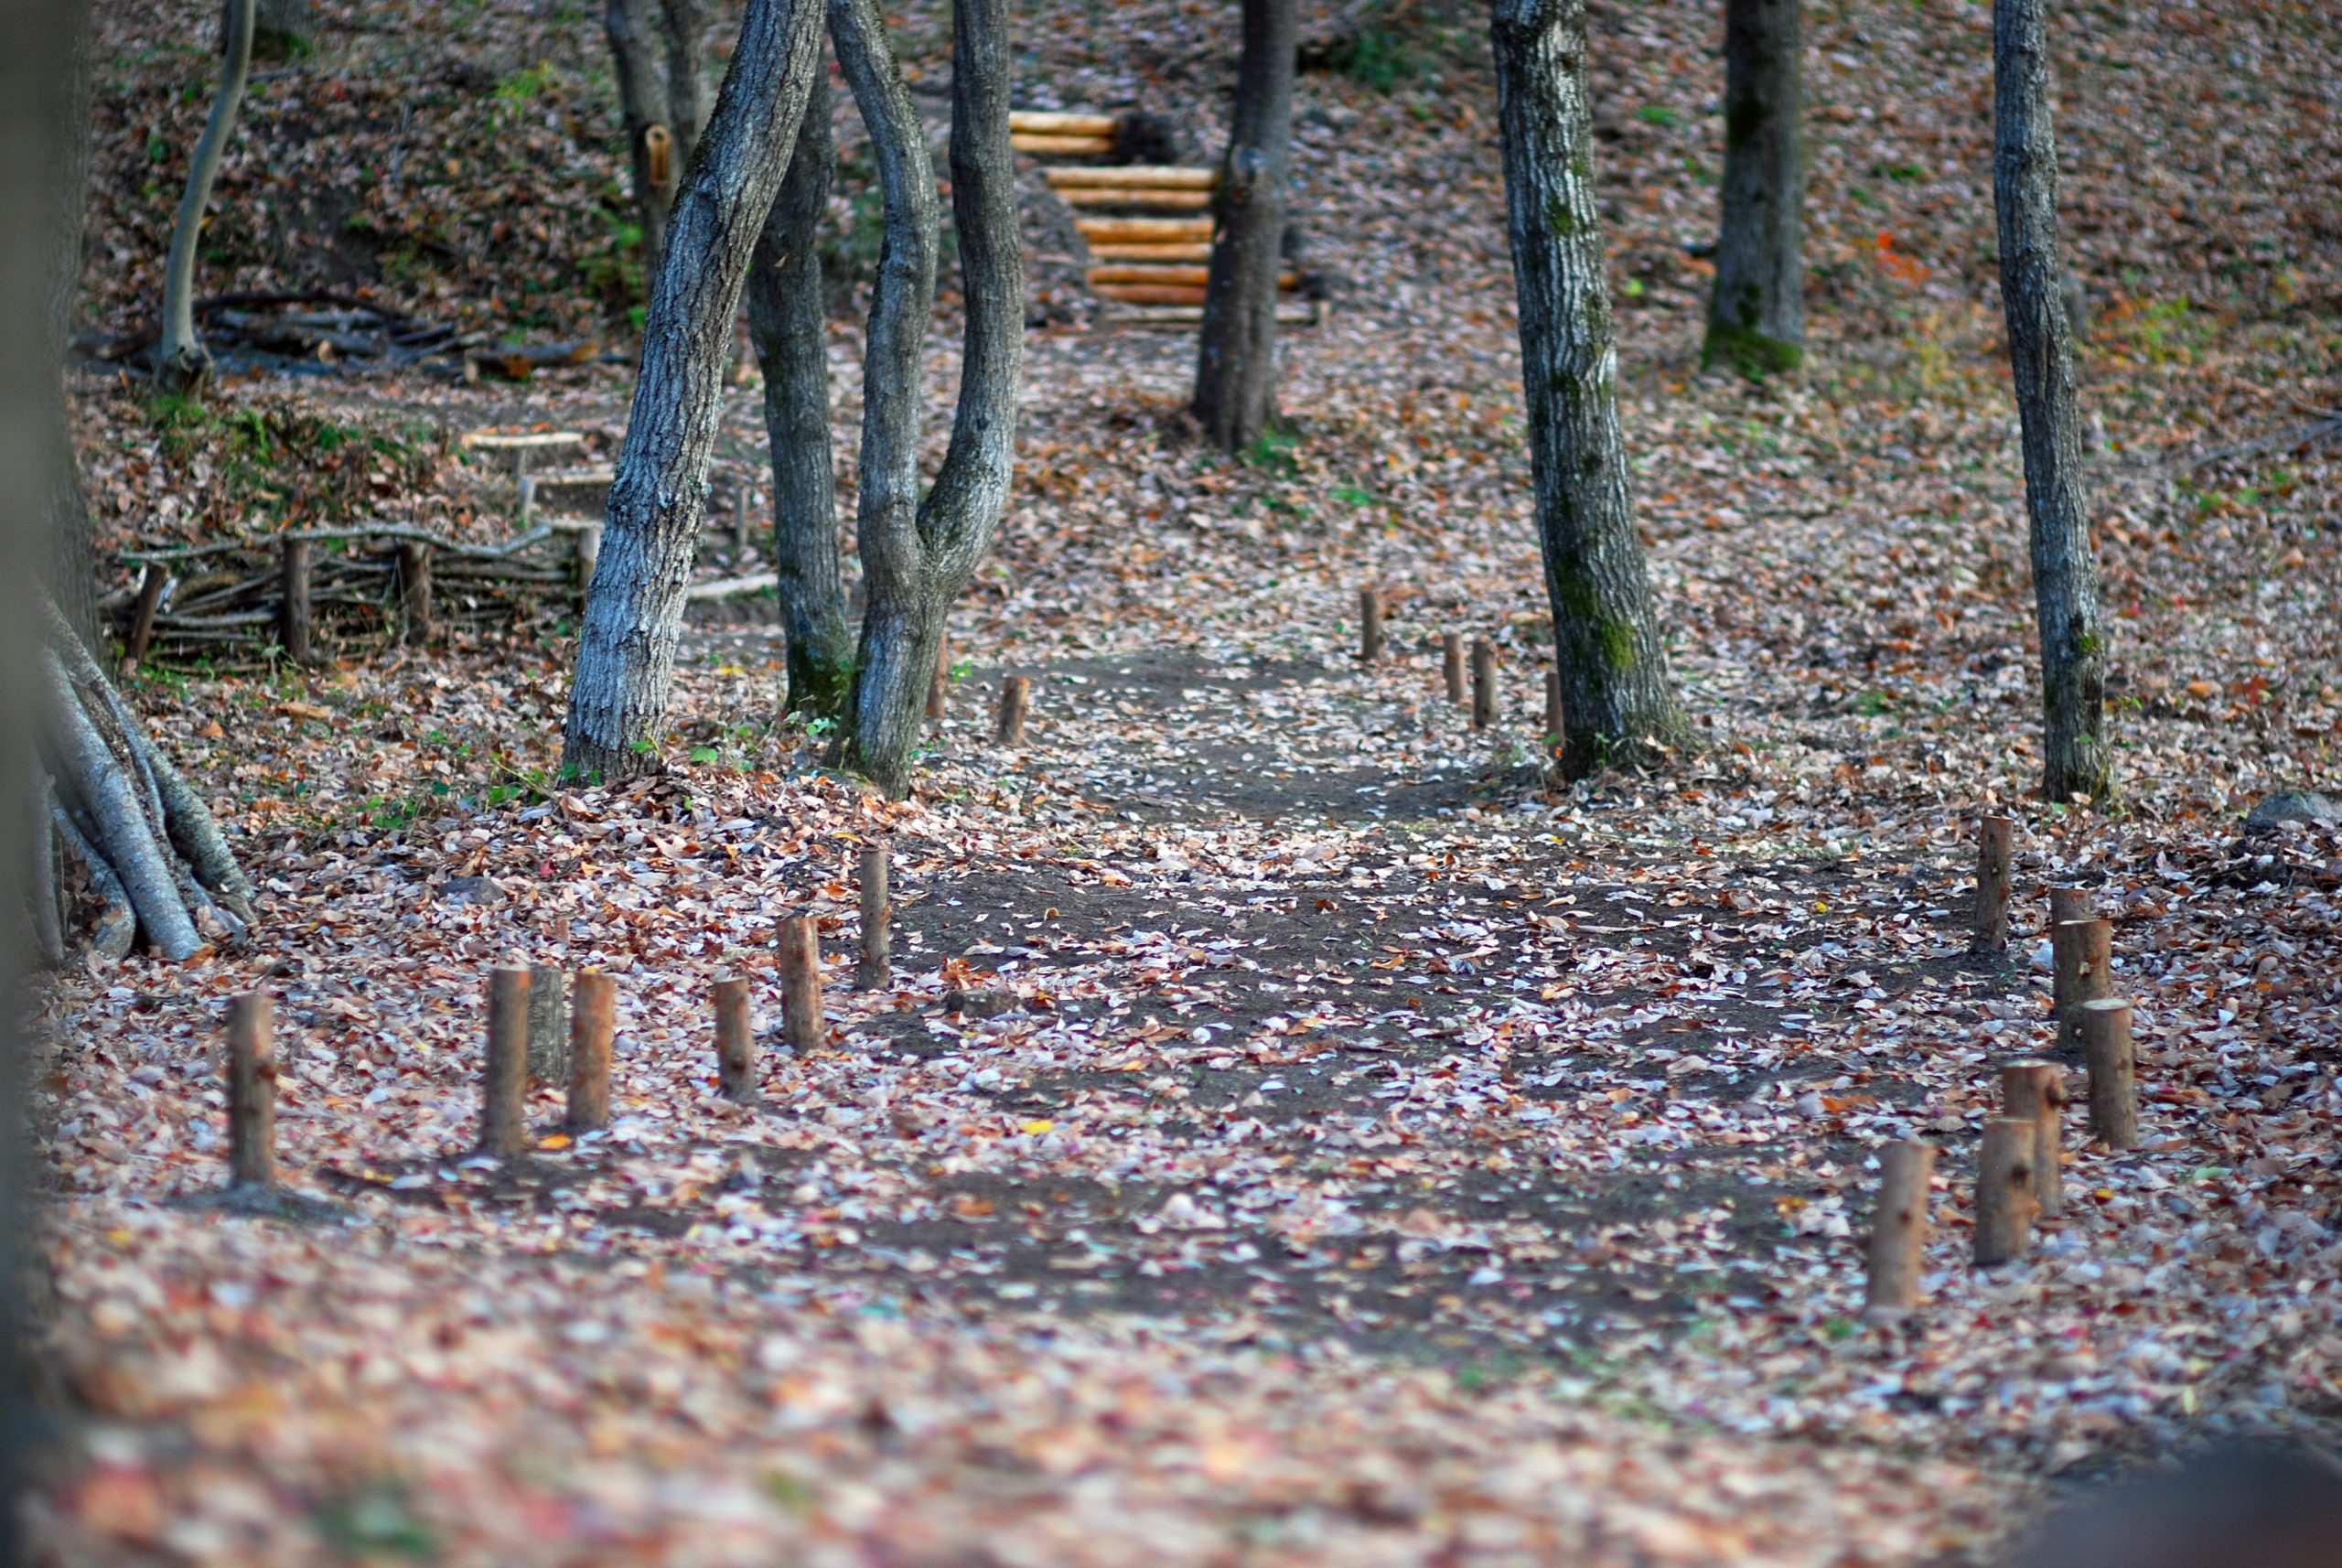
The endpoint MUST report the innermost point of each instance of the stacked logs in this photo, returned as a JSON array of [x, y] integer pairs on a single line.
[[2020, 1159]]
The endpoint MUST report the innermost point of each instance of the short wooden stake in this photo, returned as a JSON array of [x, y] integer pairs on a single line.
[[941, 678], [2004, 1190], [414, 589], [1996, 841], [1484, 684], [2082, 953], [2035, 1092], [2113, 1071], [292, 608], [874, 969], [1369, 625], [593, 1017], [151, 588], [1898, 1231], [548, 1028], [503, 1119], [801, 1028], [735, 1043], [2068, 904], [1015, 696], [1553, 713], [588, 555], [252, 1092], [1451, 662]]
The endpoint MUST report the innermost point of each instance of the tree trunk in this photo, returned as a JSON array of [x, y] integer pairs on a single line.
[[634, 609], [664, 111], [1617, 696], [1756, 316], [788, 321], [181, 365], [1236, 358], [918, 554], [2074, 755]]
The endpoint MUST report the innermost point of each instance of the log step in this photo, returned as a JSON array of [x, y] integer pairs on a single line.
[[1049, 122], [1195, 276], [1144, 231], [1304, 314], [1151, 293], [1161, 199], [1063, 146], [1112, 253], [1135, 176]]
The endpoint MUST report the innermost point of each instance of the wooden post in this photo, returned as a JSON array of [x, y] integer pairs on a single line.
[[1898, 1231], [1369, 625], [1015, 696], [800, 985], [503, 1119], [1483, 684], [252, 1092], [875, 971], [2035, 1091], [292, 612], [2083, 954], [548, 1029], [735, 1043], [1451, 661], [592, 1017], [941, 680], [1995, 839], [415, 590], [2004, 1190], [2068, 903], [151, 588], [1553, 712], [528, 489], [588, 556], [2113, 1071]]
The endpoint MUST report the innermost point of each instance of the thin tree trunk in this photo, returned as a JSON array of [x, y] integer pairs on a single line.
[[180, 363], [664, 111], [788, 321], [634, 609], [1617, 696], [682, 22], [1756, 316], [2076, 757], [913, 566], [1236, 356]]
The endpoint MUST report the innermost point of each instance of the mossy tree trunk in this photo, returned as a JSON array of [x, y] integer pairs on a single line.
[[1618, 698], [1757, 316], [634, 609], [1236, 356], [2076, 757], [789, 322]]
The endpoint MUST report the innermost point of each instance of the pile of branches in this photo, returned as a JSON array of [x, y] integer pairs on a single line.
[[124, 849], [368, 583], [286, 331]]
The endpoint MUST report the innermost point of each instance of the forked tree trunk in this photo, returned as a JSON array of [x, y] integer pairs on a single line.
[[634, 608], [664, 107], [789, 322], [1756, 316], [181, 365], [2076, 757], [1236, 358], [917, 554], [1619, 701]]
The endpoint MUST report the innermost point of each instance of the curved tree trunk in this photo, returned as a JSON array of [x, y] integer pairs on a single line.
[[2076, 757], [1236, 356], [634, 609], [1757, 316], [914, 562], [788, 321], [181, 365], [1618, 697]]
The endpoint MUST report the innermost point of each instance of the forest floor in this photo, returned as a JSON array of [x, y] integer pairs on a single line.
[[1393, 1156]]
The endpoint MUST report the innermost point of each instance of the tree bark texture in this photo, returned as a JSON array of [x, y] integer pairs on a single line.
[[2076, 757], [789, 322], [664, 111], [1757, 316], [917, 554], [180, 363], [1235, 355], [1617, 692], [634, 609]]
